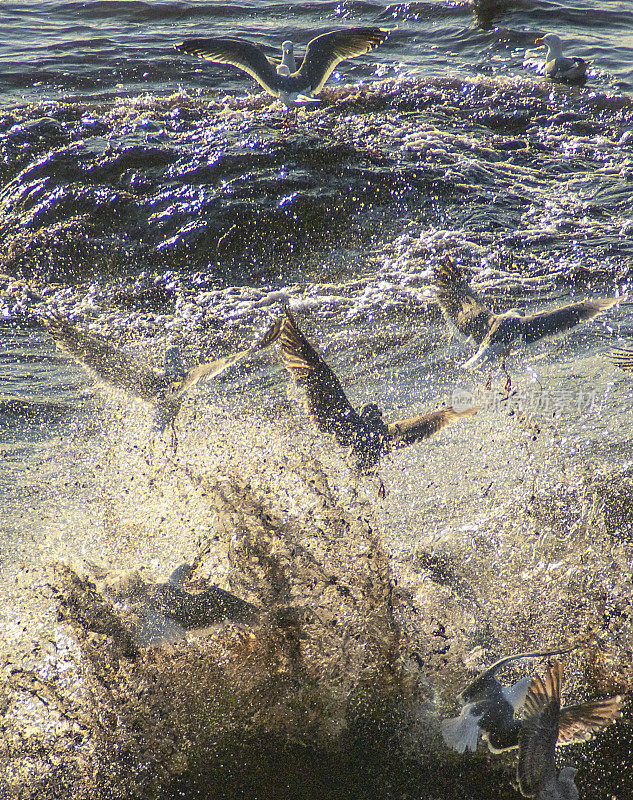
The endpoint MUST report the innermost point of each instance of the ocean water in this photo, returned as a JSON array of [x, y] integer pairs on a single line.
[[159, 199]]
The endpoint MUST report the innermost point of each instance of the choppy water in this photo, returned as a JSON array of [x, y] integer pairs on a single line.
[[157, 198]]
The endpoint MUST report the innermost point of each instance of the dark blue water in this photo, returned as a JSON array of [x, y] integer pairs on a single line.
[[103, 49]]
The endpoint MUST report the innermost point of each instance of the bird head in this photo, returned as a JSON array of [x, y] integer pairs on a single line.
[[370, 413], [173, 363], [552, 41], [287, 48]]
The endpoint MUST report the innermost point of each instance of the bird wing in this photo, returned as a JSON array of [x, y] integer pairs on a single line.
[[622, 357], [326, 401], [411, 430], [329, 49], [97, 354], [212, 368], [578, 723], [244, 55], [549, 323], [460, 306], [539, 731]]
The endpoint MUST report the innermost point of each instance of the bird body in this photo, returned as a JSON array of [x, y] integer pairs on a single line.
[[284, 81], [497, 334], [364, 433], [165, 390], [489, 709], [559, 67]]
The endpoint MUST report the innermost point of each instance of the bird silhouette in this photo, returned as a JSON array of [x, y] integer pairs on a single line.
[[497, 334], [290, 85], [165, 390], [364, 433]]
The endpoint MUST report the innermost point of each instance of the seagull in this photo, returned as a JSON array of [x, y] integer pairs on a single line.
[[169, 610], [364, 433], [497, 334], [557, 66], [622, 357], [489, 709], [290, 85], [164, 390]]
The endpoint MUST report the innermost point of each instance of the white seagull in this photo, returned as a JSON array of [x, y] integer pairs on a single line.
[[290, 85], [559, 67]]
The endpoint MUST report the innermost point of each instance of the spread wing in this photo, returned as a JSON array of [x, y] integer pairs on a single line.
[[326, 51], [248, 57], [578, 723], [539, 731], [460, 306], [549, 323], [110, 364], [325, 399], [412, 430], [622, 357], [213, 368]]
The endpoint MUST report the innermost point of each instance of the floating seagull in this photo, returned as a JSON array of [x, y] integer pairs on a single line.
[[491, 708], [292, 86], [365, 434], [557, 66], [497, 334], [165, 390], [622, 357]]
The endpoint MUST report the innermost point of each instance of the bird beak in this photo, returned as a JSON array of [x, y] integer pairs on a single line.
[[539, 41]]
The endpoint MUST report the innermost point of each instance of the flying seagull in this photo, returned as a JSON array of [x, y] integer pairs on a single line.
[[559, 67], [290, 85], [491, 709], [497, 334], [622, 357], [364, 433], [165, 390]]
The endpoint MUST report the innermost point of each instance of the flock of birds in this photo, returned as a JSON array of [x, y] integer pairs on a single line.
[[296, 86], [527, 715]]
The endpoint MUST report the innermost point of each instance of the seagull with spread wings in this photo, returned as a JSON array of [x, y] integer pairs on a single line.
[[497, 334], [491, 709], [545, 725], [166, 389], [290, 85], [364, 433]]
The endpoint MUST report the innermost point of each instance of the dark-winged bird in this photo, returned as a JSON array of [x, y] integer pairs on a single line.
[[292, 86], [489, 708], [365, 433], [546, 725], [622, 357], [559, 67], [497, 334], [165, 390]]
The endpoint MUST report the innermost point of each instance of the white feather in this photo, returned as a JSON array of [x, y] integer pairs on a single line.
[[461, 733]]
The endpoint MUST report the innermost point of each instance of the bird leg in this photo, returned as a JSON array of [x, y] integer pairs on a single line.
[[488, 384], [382, 492], [287, 123]]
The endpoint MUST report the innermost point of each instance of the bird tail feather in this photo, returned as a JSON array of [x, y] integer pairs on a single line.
[[461, 733]]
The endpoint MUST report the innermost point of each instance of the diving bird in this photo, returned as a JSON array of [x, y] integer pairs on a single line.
[[491, 709], [622, 357], [559, 67], [497, 334], [290, 85], [164, 390], [364, 433]]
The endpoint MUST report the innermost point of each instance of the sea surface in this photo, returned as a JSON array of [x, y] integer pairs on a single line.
[[155, 199]]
